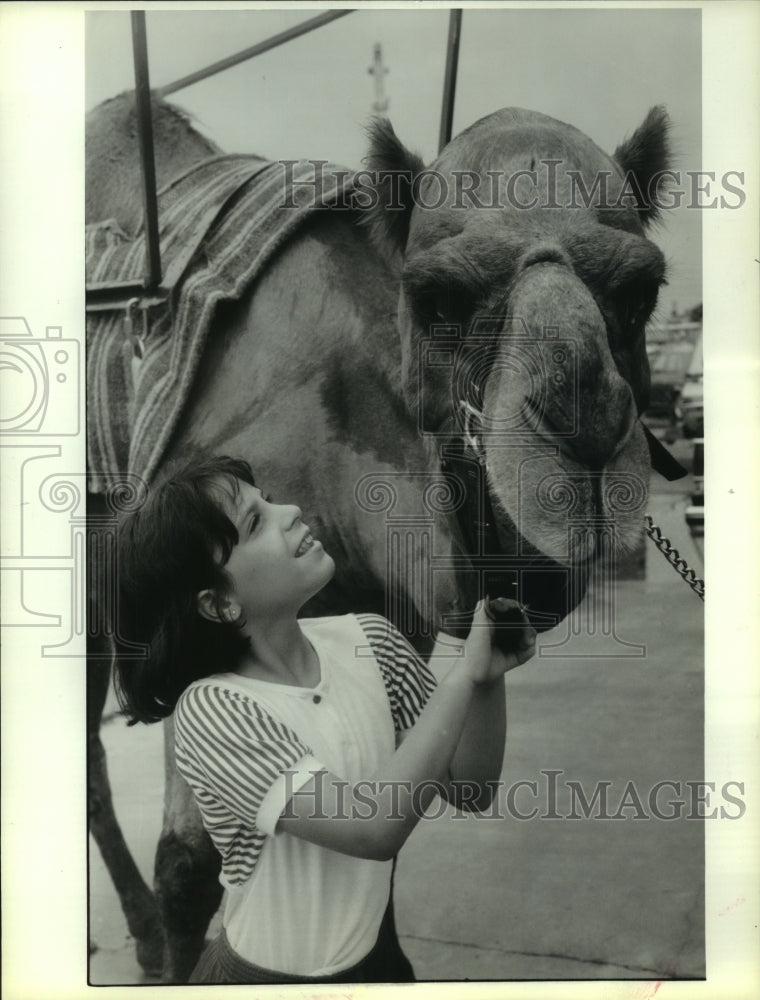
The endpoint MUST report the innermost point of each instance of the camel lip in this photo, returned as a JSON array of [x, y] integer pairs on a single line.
[[532, 558]]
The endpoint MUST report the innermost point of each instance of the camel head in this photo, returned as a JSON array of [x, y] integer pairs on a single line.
[[526, 282]]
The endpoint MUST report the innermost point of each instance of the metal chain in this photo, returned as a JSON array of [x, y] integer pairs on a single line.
[[672, 555]]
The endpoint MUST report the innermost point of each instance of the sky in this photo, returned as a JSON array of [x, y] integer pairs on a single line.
[[600, 70]]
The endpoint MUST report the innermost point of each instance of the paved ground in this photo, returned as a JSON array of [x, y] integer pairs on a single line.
[[545, 898]]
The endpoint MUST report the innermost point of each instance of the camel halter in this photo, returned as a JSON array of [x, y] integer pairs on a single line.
[[660, 459]]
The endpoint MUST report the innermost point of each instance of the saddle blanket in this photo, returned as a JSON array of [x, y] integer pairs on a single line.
[[220, 223]]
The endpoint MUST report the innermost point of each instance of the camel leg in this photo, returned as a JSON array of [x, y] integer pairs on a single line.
[[137, 901], [186, 874]]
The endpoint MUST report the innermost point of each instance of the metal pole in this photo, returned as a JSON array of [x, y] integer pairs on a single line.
[[450, 78], [254, 50], [145, 136]]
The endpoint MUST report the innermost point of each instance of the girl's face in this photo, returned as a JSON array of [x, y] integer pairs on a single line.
[[276, 565]]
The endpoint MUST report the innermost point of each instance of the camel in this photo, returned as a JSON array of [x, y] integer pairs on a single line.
[[447, 376]]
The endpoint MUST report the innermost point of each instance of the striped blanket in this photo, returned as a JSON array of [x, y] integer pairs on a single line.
[[219, 225]]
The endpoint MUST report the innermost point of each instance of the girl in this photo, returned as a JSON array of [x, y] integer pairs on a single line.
[[312, 746]]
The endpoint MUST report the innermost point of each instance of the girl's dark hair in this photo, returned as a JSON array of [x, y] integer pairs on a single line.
[[169, 550]]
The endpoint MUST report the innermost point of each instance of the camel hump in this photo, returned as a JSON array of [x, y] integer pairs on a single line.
[[113, 176]]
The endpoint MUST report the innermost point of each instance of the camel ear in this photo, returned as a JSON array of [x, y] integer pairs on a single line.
[[389, 214], [643, 156]]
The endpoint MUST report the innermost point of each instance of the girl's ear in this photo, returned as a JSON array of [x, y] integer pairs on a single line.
[[217, 609]]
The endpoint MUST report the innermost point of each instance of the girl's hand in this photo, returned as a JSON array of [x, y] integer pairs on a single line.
[[485, 663]]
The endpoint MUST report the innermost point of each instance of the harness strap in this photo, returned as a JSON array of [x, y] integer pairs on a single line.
[[661, 459], [475, 522]]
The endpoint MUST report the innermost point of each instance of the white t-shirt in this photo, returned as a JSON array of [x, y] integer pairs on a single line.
[[245, 746]]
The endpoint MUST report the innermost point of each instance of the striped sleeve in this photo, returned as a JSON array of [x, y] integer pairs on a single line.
[[230, 749], [408, 681]]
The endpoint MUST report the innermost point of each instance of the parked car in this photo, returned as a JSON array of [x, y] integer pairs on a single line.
[[668, 366], [690, 406], [695, 512]]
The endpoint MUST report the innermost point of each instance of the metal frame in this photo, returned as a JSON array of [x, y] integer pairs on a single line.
[[254, 50], [147, 159], [450, 78], [149, 291]]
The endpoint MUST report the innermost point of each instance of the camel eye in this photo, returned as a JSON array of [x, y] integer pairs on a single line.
[[439, 307], [636, 315], [445, 304], [635, 306], [432, 306]]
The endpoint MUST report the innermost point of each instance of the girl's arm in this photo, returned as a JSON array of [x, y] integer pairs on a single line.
[[374, 819], [479, 756], [478, 759]]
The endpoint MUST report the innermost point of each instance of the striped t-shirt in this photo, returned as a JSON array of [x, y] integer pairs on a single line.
[[245, 746]]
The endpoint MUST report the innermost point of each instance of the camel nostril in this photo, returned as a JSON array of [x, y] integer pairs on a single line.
[[545, 255]]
